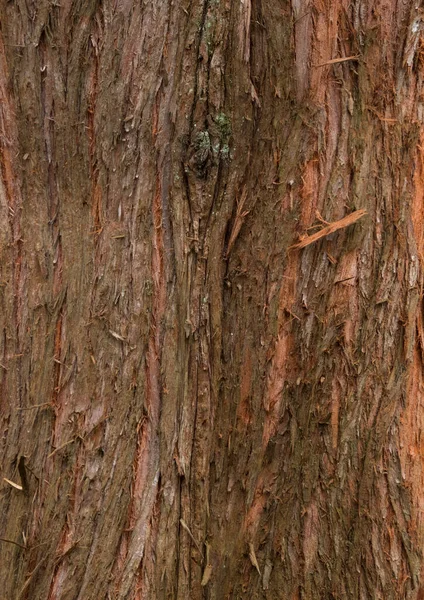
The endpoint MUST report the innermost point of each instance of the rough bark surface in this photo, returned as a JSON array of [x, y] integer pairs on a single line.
[[192, 408]]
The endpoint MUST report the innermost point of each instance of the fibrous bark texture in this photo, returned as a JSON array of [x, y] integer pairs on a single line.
[[196, 400]]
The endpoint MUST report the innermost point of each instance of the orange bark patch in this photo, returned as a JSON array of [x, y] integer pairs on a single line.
[[412, 423], [8, 134], [418, 200], [277, 375], [324, 45], [155, 118], [309, 193], [283, 360], [412, 443], [252, 518]]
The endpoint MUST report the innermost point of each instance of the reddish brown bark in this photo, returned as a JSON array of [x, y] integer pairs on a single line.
[[206, 406]]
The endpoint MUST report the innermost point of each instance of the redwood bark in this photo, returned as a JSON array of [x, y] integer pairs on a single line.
[[195, 404]]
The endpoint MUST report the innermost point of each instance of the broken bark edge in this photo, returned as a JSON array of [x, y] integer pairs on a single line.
[[331, 228]]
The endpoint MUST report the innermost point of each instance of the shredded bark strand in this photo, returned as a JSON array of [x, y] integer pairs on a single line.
[[331, 228], [13, 484], [253, 559], [334, 61], [12, 542]]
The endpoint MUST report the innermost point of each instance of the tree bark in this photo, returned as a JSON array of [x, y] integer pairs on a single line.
[[193, 403]]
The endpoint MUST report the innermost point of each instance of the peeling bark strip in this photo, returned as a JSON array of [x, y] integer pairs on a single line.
[[335, 61], [187, 410], [331, 228]]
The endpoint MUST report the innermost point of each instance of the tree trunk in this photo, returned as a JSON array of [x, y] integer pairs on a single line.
[[193, 403]]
